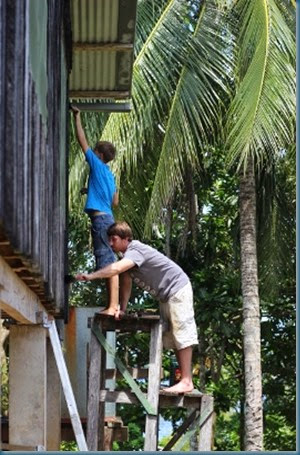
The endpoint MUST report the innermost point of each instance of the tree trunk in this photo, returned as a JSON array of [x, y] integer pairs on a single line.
[[168, 223], [251, 312]]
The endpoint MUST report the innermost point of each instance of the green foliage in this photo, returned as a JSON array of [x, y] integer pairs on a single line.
[[278, 434], [227, 432], [134, 417], [277, 224], [171, 154], [261, 116], [4, 394], [68, 446]]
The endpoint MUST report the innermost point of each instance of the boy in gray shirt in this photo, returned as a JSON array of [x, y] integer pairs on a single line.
[[164, 280]]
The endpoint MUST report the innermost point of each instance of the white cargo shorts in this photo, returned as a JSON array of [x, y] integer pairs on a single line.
[[179, 326]]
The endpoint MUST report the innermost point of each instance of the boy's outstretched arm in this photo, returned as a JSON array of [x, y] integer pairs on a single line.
[[116, 268], [79, 130]]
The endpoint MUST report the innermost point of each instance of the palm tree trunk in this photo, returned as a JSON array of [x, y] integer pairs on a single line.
[[168, 224], [251, 312]]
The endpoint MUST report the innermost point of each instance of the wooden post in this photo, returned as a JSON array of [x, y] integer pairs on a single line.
[[155, 356], [206, 424], [93, 394], [101, 373], [27, 381]]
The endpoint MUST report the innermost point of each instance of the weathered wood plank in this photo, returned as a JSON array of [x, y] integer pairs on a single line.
[[93, 394], [21, 448], [16, 299], [3, 63], [101, 437], [155, 358], [135, 373], [19, 122], [206, 424], [33, 193], [126, 397], [99, 94], [116, 47], [129, 323]]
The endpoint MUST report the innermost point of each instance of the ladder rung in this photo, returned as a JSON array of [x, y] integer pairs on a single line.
[[191, 400], [136, 373], [21, 448], [126, 324]]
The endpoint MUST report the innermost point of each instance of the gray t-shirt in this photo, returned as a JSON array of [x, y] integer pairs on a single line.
[[154, 272]]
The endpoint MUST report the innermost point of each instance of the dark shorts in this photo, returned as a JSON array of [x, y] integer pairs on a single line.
[[104, 255]]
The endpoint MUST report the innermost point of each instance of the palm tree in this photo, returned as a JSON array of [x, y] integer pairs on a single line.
[[200, 66], [260, 125]]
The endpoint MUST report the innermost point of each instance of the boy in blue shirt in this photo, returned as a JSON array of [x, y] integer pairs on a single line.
[[102, 195]]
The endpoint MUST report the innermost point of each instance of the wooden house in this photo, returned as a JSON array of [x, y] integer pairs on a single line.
[[51, 52]]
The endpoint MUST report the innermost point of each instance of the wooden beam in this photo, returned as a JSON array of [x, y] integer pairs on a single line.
[[153, 386], [93, 394], [165, 401], [16, 299], [136, 373], [130, 322], [21, 448], [124, 397], [116, 47], [116, 94], [206, 424]]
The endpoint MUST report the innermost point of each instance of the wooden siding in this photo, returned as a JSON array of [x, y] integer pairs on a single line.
[[33, 153]]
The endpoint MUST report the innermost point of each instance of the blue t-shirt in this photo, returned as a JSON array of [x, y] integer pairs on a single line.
[[101, 186]]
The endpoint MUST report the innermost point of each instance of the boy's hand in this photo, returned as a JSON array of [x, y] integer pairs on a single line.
[[75, 110], [82, 277], [119, 314]]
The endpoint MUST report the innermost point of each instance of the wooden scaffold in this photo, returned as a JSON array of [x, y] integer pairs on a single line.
[[200, 406]]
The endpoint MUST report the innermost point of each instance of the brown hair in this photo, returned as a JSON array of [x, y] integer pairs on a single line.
[[122, 229], [108, 150]]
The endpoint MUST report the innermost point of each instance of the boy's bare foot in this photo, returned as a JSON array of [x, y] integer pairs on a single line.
[[108, 311], [181, 387]]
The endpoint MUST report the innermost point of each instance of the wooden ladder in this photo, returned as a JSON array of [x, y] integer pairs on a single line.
[[200, 406]]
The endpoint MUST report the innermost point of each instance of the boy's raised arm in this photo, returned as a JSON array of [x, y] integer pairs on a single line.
[[115, 201], [79, 130]]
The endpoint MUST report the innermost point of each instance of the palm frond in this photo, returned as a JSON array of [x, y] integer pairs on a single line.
[[148, 13], [154, 75], [277, 223], [261, 117], [195, 114]]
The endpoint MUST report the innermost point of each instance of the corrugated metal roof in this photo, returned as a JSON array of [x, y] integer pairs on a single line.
[[103, 39]]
